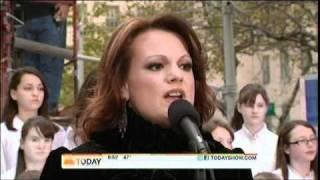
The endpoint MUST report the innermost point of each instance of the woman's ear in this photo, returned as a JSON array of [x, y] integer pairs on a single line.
[[21, 144], [239, 107], [286, 149], [125, 92], [13, 94]]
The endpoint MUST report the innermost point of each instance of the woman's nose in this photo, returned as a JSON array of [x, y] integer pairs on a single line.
[[35, 91], [41, 145], [174, 75], [254, 108]]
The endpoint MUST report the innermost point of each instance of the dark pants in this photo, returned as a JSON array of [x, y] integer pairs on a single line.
[[45, 30]]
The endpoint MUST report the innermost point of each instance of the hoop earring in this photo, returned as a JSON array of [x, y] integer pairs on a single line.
[[123, 122]]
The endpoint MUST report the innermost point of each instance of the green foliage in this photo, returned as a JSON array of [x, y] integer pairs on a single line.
[[258, 26], [67, 91]]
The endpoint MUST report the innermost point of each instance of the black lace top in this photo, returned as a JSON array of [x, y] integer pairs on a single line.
[[141, 137]]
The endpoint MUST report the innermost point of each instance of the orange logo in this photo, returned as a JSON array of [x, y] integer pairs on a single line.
[[68, 161]]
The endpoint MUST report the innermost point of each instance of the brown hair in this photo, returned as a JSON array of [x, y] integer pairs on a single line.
[[211, 125], [30, 175], [106, 105], [247, 95], [282, 159], [11, 108], [266, 176], [43, 126], [86, 91]]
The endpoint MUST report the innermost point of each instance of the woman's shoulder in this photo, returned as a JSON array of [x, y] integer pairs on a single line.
[[89, 147], [52, 169], [238, 133], [55, 155], [270, 132], [3, 130], [3, 126], [10, 174], [8, 134]]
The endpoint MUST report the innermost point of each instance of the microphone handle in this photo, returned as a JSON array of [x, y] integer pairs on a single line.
[[196, 142], [198, 145]]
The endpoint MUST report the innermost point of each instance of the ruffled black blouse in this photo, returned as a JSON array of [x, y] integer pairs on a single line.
[[141, 136]]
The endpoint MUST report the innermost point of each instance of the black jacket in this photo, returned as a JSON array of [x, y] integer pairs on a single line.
[[141, 137]]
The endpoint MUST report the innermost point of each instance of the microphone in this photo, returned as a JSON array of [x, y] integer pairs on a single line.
[[185, 120]]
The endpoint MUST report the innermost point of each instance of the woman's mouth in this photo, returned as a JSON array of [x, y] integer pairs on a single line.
[[310, 152], [175, 93]]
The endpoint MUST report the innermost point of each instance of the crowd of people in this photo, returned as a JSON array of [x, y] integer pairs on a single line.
[[123, 108], [45, 22]]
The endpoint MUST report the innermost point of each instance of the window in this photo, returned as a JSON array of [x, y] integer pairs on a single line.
[[82, 9], [265, 69], [113, 15], [284, 66], [311, 89]]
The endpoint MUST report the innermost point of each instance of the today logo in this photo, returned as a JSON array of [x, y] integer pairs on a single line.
[[80, 161], [89, 161]]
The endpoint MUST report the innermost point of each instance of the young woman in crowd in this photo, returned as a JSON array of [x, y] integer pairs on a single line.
[[147, 64], [27, 97], [220, 131], [74, 130], [249, 122], [219, 127], [297, 151], [36, 142]]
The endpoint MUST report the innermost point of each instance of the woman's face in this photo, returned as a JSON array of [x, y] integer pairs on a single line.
[[160, 72], [36, 147], [223, 136], [304, 144], [254, 114], [29, 94]]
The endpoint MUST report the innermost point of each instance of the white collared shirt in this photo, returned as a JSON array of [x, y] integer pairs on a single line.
[[10, 174], [59, 137], [292, 174], [70, 142], [10, 143], [264, 143]]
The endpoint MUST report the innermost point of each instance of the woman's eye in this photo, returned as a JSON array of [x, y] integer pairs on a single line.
[[47, 140], [187, 66], [27, 88], [154, 66], [34, 139]]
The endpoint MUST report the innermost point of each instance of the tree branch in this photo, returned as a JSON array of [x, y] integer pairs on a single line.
[[304, 71]]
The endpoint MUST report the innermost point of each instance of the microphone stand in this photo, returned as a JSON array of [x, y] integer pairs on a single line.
[[202, 147]]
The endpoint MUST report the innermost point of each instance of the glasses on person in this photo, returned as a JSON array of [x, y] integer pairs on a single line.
[[305, 141]]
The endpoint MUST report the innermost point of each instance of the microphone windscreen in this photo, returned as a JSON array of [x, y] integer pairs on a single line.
[[178, 110]]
